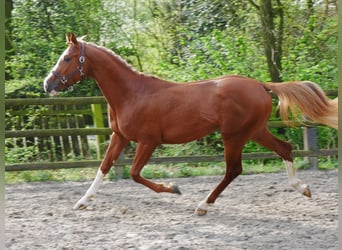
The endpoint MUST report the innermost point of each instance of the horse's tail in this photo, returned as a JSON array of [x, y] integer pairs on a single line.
[[307, 98]]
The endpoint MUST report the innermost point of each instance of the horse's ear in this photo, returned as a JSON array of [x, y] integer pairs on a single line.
[[73, 39], [67, 38]]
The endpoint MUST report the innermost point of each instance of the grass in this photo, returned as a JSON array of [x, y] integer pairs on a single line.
[[161, 171]]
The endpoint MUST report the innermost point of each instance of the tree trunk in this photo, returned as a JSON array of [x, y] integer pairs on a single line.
[[272, 37], [8, 32]]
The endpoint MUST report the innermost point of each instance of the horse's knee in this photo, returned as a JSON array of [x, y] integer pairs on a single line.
[[238, 171], [234, 172], [105, 169]]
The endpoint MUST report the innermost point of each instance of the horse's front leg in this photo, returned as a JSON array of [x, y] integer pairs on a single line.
[[143, 154], [114, 149]]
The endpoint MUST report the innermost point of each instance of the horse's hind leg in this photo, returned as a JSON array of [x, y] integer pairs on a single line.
[[113, 151], [233, 151], [266, 139]]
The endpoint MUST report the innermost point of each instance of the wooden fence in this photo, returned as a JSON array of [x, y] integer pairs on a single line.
[[58, 128]]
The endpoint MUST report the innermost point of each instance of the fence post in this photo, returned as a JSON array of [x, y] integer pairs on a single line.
[[99, 123], [310, 143], [120, 170]]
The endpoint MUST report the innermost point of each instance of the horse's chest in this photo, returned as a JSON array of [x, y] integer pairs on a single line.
[[137, 126]]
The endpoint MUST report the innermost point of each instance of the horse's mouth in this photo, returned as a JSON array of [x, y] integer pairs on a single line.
[[51, 88], [53, 92]]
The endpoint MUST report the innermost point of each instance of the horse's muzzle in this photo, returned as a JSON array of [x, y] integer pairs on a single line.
[[51, 87]]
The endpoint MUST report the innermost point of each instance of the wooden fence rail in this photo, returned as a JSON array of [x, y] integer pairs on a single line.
[[163, 160], [59, 132], [95, 131]]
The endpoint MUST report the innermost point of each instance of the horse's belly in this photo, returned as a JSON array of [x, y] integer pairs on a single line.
[[187, 131]]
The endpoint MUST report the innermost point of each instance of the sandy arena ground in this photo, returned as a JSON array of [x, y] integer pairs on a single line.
[[254, 212]]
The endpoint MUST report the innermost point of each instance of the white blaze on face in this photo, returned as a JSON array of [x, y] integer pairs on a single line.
[[46, 81]]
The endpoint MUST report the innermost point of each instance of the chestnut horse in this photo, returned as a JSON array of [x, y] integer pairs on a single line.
[[151, 111]]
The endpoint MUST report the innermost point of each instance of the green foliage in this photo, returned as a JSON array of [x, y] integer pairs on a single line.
[[38, 33], [24, 88], [50, 175], [14, 154], [217, 54], [311, 49], [173, 38]]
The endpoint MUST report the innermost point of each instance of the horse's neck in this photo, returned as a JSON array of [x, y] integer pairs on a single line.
[[117, 80]]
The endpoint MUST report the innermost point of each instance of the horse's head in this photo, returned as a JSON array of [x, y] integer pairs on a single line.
[[69, 68]]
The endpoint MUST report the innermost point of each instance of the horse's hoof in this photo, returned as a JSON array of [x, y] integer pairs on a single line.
[[175, 189], [307, 192], [201, 211], [80, 206]]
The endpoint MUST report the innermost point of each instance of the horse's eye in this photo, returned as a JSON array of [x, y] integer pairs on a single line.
[[66, 59]]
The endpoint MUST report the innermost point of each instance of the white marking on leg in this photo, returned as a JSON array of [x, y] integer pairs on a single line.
[[294, 181], [83, 202], [203, 204], [202, 207]]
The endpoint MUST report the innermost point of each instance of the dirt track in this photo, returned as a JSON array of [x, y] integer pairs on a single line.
[[254, 212]]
